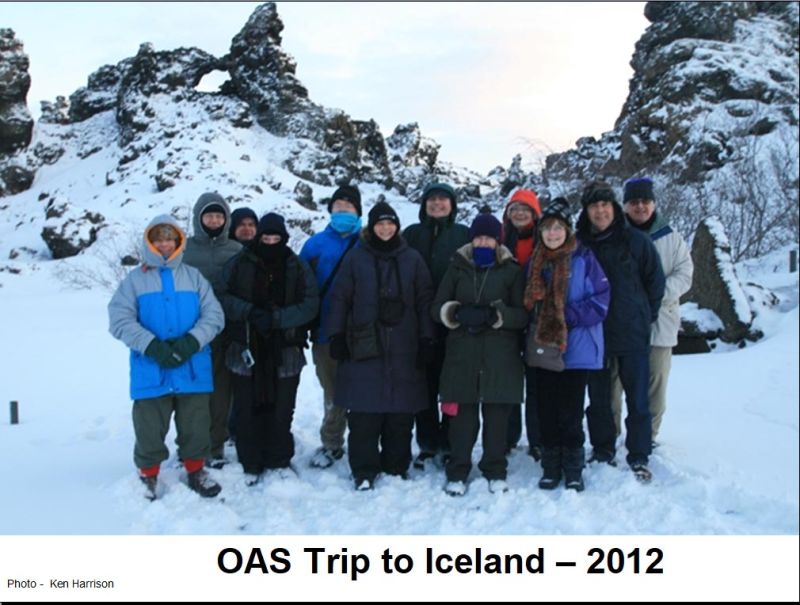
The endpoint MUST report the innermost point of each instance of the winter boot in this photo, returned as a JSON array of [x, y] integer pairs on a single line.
[[535, 452], [643, 474], [551, 465], [455, 488], [150, 484], [202, 483], [324, 457], [572, 460]]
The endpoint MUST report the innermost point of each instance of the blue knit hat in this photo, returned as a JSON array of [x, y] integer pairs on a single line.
[[638, 189], [485, 224]]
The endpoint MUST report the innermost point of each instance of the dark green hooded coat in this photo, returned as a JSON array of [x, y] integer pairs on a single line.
[[485, 367]]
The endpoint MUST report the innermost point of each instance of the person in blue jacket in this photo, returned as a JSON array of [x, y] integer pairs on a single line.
[[166, 313], [568, 294], [324, 253]]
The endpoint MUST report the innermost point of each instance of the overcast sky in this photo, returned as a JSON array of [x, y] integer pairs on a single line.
[[486, 80]]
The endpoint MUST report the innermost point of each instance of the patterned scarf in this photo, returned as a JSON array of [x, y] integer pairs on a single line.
[[550, 296]]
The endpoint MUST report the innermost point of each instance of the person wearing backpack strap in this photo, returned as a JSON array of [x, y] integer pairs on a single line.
[[324, 252]]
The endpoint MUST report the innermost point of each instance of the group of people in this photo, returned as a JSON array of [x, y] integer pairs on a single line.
[[470, 321]]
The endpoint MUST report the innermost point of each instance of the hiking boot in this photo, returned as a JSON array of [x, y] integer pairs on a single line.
[[422, 458], [573, 479], [150, 484], [498, 486], [604, 457], [324, 457], [217, 462], [551, 467], [455, 488], [643, 474], [535, 451], [251, 479], [202, 483]]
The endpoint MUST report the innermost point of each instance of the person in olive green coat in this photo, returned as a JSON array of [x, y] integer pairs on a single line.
[[480, 301]]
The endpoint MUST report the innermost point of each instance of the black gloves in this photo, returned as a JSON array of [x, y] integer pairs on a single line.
[[163, 354], [426, 352], [476, 317], [261, 320], [339, 350], [185, 346]]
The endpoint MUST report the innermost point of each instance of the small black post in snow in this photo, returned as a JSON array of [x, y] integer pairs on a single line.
[[792, 261], [14, 406]]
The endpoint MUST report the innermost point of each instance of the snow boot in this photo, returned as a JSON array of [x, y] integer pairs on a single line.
[[572, 460], [551, 467], [455, 488], [202, 483], [150, 484], [498, 486], [324, 457], [535, 452], [601, 455], [643, 474]]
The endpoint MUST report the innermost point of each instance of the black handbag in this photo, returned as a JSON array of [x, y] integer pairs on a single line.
[[539, 355], [363, 341]]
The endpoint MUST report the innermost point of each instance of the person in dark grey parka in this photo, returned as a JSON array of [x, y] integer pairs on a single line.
[[208, 250], [381, 334]]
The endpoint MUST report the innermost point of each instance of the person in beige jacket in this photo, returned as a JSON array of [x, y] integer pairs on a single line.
[[639, 206]]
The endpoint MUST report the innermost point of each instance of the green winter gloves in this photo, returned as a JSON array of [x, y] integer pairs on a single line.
[[185, 346], [174, 352], [163, 354]]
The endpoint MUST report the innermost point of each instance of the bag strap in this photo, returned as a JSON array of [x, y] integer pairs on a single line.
[[329, 280]]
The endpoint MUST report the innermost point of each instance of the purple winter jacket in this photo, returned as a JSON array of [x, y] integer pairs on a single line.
[[588, 297]]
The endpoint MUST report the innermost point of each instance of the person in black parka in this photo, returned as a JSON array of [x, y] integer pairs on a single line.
[[383, 289], [635, 275], [436, 237], [270, 295]]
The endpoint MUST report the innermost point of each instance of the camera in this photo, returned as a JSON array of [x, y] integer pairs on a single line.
[[247, 358]]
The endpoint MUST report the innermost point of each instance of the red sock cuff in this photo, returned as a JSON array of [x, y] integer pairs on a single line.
[[193, 465], [150, 471]]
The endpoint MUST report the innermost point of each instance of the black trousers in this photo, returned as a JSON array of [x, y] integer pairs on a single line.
[[599, 417], [378, 443], [532, 429], [463, 432], [431, 428], [560, 396], [264, 437]]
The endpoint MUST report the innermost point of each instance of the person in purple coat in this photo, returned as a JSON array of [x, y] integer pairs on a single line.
[[568, 295]]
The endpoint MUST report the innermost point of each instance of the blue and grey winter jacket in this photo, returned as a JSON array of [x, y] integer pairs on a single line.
[[165, 299]]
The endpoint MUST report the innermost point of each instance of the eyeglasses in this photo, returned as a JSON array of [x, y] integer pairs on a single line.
[[639, 202], [520, 208]]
